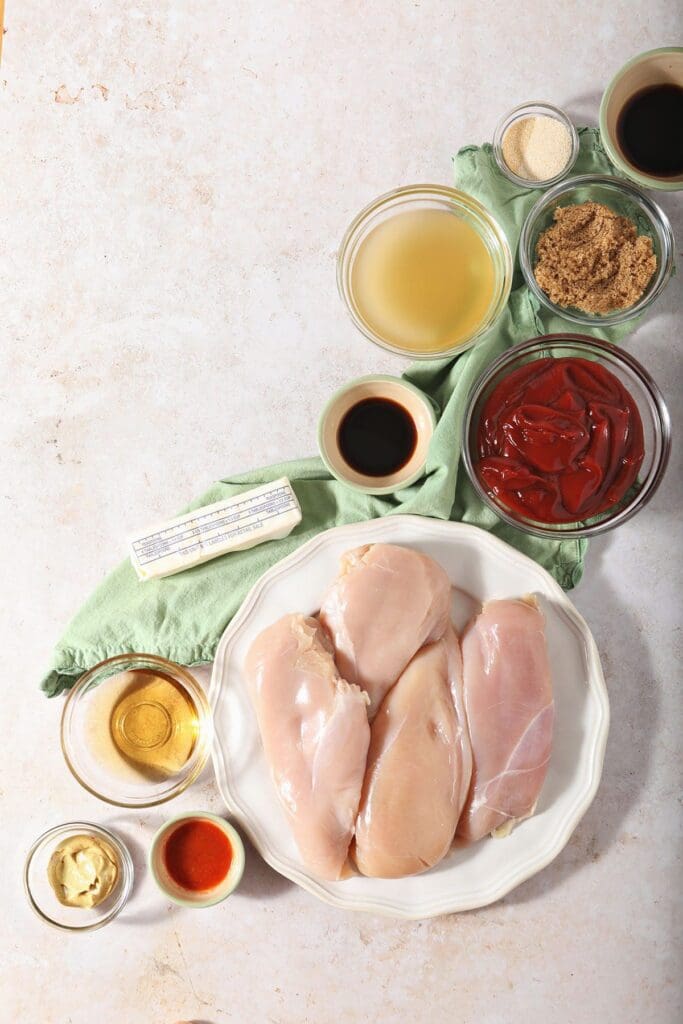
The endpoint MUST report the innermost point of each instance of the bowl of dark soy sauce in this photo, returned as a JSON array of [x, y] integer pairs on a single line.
[[374, 434], [641, 119]]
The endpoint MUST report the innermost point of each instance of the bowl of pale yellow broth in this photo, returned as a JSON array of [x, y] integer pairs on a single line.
[[424, 271], [136, 730]]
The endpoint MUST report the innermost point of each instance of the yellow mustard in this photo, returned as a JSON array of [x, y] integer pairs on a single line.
[[83, 871]]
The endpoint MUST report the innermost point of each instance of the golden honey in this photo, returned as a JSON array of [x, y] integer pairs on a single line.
[[154, 724], [423, 281]]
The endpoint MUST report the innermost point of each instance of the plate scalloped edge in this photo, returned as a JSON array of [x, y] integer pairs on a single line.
[[444, 904]]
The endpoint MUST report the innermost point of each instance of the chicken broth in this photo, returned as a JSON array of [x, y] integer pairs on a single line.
[[423, 280]]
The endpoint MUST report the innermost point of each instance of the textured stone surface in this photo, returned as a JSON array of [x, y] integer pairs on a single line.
[[175, 180]]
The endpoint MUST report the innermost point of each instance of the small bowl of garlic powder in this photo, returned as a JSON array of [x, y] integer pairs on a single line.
[[535, 145]]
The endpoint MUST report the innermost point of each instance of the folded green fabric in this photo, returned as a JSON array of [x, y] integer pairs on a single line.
[[183, 617]]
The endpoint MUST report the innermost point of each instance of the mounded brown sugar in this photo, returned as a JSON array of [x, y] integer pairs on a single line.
[[593, 259]]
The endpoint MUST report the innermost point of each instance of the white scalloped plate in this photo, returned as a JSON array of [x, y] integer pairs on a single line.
[[482, 568]]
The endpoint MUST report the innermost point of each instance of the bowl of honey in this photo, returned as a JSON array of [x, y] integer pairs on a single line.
[[136, 730], [424, 271]]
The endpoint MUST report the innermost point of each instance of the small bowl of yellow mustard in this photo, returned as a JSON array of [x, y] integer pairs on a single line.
[[78, 876]]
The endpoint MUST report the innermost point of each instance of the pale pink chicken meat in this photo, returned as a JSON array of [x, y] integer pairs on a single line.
[[418, 769], [385, 604], [315, 733], [509, 706]]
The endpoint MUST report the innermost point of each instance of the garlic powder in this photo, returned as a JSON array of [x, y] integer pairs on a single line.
[[537, 147]]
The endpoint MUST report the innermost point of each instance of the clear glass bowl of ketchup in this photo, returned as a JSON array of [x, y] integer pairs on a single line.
[[566, 436]]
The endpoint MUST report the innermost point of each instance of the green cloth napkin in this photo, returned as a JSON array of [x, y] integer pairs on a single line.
[[183, 617]]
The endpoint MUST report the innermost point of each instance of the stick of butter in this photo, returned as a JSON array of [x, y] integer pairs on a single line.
[[265, 513]]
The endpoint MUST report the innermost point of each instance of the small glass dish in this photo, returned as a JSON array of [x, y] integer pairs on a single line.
[[86, 732], [427, 197], [623, 198], [637, 381], [42, 897], [534, 109]]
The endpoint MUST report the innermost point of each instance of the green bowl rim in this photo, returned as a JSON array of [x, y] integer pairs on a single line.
[[642, 179], [235, 840], [368, 488]]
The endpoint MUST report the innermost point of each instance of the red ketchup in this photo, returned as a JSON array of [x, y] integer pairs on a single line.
[[560, 440], [198, 855]]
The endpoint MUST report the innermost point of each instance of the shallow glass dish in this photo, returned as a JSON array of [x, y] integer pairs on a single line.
[[535, 109], [426, 197], [633, 376], [625, 199], [89, 750], [41, 895]]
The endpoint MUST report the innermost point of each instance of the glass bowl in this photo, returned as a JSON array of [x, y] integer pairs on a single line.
[[535, 109], [637, 381], [146, 773], [626, 200], [426, 197], [646, 69], [41, 895]]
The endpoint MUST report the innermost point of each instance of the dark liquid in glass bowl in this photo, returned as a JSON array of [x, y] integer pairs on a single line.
[[650, 130], [377, 437]]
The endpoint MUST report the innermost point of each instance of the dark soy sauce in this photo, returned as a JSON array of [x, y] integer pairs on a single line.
[[650, 130], [377, 437]]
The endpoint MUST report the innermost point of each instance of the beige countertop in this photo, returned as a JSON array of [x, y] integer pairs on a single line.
[[175, 181]]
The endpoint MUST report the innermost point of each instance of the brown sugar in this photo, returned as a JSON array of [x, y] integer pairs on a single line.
[[593, 259]]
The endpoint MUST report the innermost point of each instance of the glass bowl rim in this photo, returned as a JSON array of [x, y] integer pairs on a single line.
[[627, 169], [462, 200], [657, 217], [513, 115], [88, 827], [198, 696], [599, 347]]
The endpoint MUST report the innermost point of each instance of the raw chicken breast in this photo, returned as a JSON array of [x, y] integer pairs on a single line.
[[509, 707], [418, 769], [386, 603], [455, 682], [315, 733]]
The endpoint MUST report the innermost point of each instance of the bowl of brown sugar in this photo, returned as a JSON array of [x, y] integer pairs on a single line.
[[596, 250]]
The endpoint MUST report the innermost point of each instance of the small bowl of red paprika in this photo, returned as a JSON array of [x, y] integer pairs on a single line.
[[197, 859], [566, 435]]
